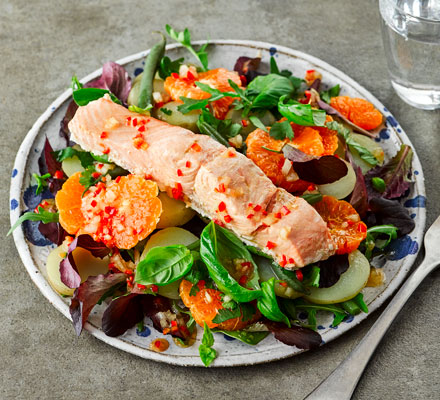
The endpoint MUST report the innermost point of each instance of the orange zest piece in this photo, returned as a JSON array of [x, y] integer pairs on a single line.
[[359, 111], [68, 202], [119, 214], [346, 228], [217, 78], [206, 303]]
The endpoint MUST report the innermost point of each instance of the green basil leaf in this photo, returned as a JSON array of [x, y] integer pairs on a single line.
[[312, 198], [167, 67], [84, 157], [301, 114], [258, 252], [252, 338], [206, 352], [220, 130], [84, 96], [265, 91], [191, 104], [41, 181], [281, 130], [164, 265], [44, 216], [218, 249], [289, 277], [257, 122], [225, 314], [326, 95], [267, 303]]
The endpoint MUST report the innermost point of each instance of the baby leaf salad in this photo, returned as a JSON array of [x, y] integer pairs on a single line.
[[145, 255]]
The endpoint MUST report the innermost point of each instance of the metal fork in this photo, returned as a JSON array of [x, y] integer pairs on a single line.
[[342, 382]]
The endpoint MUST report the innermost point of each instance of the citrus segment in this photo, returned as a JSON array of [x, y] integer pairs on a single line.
[[205, 304], [218, 78], [359, 111], [68, 202], [346, 228]]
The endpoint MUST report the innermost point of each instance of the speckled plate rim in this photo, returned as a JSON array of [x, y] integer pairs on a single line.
[[16, 191]]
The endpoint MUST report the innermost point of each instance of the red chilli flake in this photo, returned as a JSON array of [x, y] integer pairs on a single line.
[[228, 219], [201, 284], [142, 287], [96, 175], [231, 153], [221, 188], [311, 188], [159, 104], [291, 260], [135, 121], [361, 227], [154, 288], [189, 75], [222, 206], [299, 275], [285, 210], [350, 222], [243, 80], [179, 172], [118, 178], [283, 284], [106, 151], [196, 147], [141, 128], [218, 222], [257, 208], [58, 174], [175, 75], [103, 135], [264, 212], [188, 164], [310, 71], [278, 215], [243, 279], [246, 264], [244, 123], [250, 216], [270, 245], [177, 191]]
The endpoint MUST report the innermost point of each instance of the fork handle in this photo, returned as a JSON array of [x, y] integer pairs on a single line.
[[342, 382]]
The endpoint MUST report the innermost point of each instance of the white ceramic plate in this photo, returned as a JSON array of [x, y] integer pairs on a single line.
[[222, 53]]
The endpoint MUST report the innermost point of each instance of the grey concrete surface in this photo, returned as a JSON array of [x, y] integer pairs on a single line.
[[42, 43]]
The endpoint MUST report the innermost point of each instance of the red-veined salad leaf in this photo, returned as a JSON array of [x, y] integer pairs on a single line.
[[64, 125], [52, 231], [115, 79], [389, 212], [68, 270], [330, 270], [88, 294], [318, 170], [303, 338], [122, 314], [396, 174], [248, 67], [315, 84]]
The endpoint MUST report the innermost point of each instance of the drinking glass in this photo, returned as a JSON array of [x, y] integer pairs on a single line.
[[411, 38]]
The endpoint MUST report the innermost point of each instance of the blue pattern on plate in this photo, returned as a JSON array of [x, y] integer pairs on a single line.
[[348, 319], [272, 51], [228, 338], [418, 201], [401, 247], [416, 172], [383, 135], [138, 71], [413, 216], [14, 204], [392, 121], [14, 173], [31, 199], [320, 327], [144, 332], [32, 234]]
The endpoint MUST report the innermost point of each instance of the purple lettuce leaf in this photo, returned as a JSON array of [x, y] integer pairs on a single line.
[[359, 195], [52, 231], [318, 170], [248, 67], [64, 125], [68, 270], [115, 79], [47, 163], [122, 314], [330, 270], [315, 85], [303, 338], [396, 173], [88, 294], [385, 211]]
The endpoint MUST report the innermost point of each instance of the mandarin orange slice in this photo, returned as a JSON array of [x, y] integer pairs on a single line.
[[346, 228], [206, 303], [359, 111], [217, 78]]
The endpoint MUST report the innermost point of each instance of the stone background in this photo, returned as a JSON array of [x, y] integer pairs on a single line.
[[42, 43]]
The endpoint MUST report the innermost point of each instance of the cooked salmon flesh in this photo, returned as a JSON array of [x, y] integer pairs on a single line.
[[216, 181]]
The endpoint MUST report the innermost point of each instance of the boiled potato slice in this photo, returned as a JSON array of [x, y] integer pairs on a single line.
[[71, 166], [370, 145], [188, 121], [267, 119], [174, 212], [168, 237], [342, 187], [265, 271], [349, 284], [87, 265]]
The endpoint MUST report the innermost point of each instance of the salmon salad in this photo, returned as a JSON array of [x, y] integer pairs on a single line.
[[240, 200]]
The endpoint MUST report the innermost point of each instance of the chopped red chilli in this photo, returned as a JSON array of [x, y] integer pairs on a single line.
[[179, 172], [188, 164], [228, 219], [58, 174], [270, 245], [222, 206], [299, 275], [103, 135]]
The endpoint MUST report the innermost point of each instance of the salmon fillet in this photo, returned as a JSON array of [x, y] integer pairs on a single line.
[[216, 181]]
